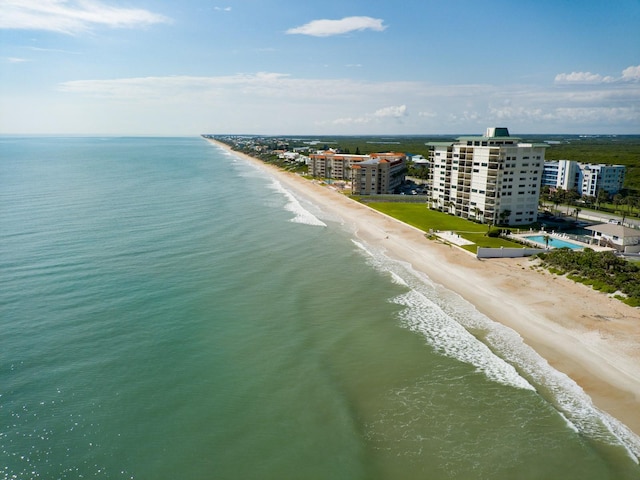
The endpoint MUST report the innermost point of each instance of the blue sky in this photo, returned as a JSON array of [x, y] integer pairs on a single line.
[[142, 67]]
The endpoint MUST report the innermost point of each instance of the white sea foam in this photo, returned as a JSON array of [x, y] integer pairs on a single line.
[[440, 329], [363, 247], [293, 205], [446, 319], [452, 339], [302, 215], [566, 395], [398, 280]]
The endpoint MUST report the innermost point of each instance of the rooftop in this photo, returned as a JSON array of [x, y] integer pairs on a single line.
[[612, 229]]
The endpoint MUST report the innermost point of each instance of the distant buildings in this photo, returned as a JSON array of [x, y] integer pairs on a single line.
[[375, 174], [586, 178], [493, 178]]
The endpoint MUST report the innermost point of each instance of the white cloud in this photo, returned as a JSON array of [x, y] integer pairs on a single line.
[[53, 50], [464, 117], [394, 112], [631, 73], [582, 77], [270, 103], [222, 9], [349, 121], [262, 84], [72, 16], [327, 28], [16, 60]]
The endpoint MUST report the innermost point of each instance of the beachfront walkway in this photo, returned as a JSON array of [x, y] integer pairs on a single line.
[[453, 237]]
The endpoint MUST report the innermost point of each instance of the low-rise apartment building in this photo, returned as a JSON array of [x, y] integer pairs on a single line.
[[374, 174], [383, 173], [330, 164]]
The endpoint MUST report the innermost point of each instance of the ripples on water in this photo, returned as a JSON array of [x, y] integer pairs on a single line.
[[167, 312]]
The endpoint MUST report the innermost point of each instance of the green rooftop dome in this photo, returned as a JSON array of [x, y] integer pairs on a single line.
[[497, 132]]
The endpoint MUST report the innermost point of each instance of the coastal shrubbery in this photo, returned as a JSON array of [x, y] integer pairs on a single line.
[[603, 271]]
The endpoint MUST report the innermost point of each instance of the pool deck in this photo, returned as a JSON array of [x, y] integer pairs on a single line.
[[559, 236]]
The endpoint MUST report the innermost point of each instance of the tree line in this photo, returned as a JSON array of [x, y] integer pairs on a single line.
[[626, 202]]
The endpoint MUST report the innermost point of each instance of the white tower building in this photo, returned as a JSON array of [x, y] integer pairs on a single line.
[[493, 178]]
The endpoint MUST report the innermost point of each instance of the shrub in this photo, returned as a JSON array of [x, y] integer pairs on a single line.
[[604, 271]]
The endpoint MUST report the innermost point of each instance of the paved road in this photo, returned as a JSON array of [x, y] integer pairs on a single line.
[[605, 217], [594, 216]]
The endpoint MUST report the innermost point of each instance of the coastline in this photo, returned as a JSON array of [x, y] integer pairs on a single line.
[[593, 339]]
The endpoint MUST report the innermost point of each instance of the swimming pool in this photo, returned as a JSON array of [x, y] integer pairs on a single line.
[[553, 242]]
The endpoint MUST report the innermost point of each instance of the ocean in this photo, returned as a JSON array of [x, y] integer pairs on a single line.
[[169, 311]]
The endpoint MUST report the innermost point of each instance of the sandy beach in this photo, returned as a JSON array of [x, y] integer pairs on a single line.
[[592, 338]]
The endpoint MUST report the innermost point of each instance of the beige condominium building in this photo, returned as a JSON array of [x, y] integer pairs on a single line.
[[374, 174], [383, 173], [329, 164], [493, 178]]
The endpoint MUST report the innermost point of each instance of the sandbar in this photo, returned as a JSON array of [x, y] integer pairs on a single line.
[[587, 335]]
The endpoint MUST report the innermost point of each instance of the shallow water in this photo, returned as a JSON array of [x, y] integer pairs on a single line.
[[168, 312]]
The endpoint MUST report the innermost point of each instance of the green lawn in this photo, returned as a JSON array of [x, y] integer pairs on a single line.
[[481, 240], [419, 216], [422, 217]]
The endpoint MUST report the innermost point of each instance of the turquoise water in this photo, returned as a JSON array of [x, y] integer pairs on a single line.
[[167, 311], [553, 242]]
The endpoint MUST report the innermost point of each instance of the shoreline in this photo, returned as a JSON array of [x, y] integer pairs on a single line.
[[593, 339]]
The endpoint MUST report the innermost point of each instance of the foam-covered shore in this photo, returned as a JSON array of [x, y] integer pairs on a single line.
[[592, 338]]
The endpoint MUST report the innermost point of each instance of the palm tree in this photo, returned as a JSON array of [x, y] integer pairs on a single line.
[[617, 200], [633, 204], [577, 211], [602, 196], [448, 204], [557, 198], [506, 213]]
